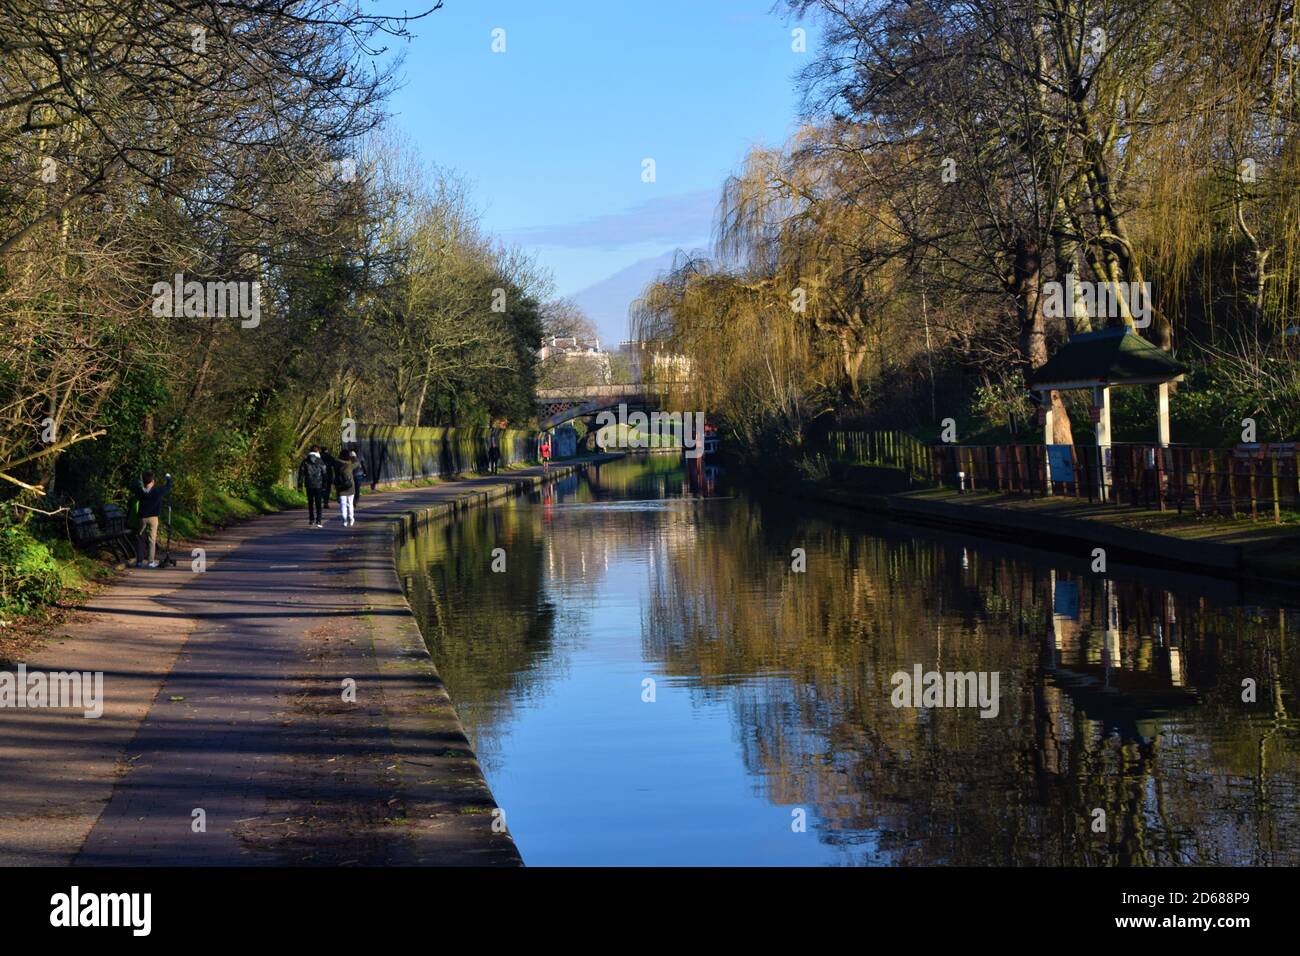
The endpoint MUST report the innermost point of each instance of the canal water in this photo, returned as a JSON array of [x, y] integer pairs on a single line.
[[648, 679]]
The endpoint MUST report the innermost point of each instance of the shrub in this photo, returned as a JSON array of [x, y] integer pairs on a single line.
[[814, 467], [1003, 402], [29, 574]]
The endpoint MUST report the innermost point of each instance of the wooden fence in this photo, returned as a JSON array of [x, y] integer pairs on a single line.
[[1254, 480]]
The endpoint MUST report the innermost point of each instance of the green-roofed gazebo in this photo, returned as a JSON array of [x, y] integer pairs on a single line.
[[1100, 360]]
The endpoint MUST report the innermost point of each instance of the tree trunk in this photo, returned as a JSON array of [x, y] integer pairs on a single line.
[[1067, 254], [1026, 282]]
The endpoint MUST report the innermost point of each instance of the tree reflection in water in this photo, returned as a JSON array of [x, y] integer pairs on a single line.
[[1122, 693]]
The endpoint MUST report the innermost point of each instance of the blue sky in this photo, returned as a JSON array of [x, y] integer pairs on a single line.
[[551, 134]]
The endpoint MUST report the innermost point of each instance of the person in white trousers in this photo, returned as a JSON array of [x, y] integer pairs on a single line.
[[345, 487]]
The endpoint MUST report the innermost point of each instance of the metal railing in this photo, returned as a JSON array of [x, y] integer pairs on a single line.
[[887, 449], [1255, 480]]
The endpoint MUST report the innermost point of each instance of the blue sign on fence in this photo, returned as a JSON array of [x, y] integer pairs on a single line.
[[1060, 463]]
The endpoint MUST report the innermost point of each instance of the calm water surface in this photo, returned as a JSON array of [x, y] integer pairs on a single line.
[[772, 689]]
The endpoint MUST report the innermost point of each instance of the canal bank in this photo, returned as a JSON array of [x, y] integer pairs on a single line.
[[278, 708], [1263, 554]]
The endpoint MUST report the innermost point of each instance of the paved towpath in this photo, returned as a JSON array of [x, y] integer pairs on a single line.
[[226, 737]]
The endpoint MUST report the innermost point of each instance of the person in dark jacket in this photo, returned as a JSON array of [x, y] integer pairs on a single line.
[[358, 477], [345, 486], [314, 477], [151, 496]]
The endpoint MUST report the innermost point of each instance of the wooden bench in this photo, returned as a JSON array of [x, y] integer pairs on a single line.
[[87, 531], [114, 526]]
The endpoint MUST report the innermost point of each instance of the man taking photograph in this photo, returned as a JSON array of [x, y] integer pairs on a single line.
[[151, 497]]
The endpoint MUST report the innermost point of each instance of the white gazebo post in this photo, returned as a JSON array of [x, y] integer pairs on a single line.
[[1162, 404], [1045, 400], [1111, 657], [1101, 403]]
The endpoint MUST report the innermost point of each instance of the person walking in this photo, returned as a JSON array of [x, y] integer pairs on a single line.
[[358, 477], [314, 477], [494, 451], [344, 486], [546, 451], [151, 497]]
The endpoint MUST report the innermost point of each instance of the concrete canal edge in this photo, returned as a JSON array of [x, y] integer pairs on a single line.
[[454, 818], [1076, 536]]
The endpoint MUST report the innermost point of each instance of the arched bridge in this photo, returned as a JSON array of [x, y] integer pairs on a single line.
[[555, 406]]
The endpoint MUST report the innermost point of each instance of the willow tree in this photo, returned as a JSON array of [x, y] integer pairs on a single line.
[[1225, 163], [944, 106], [751, 358], [807, 221]]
